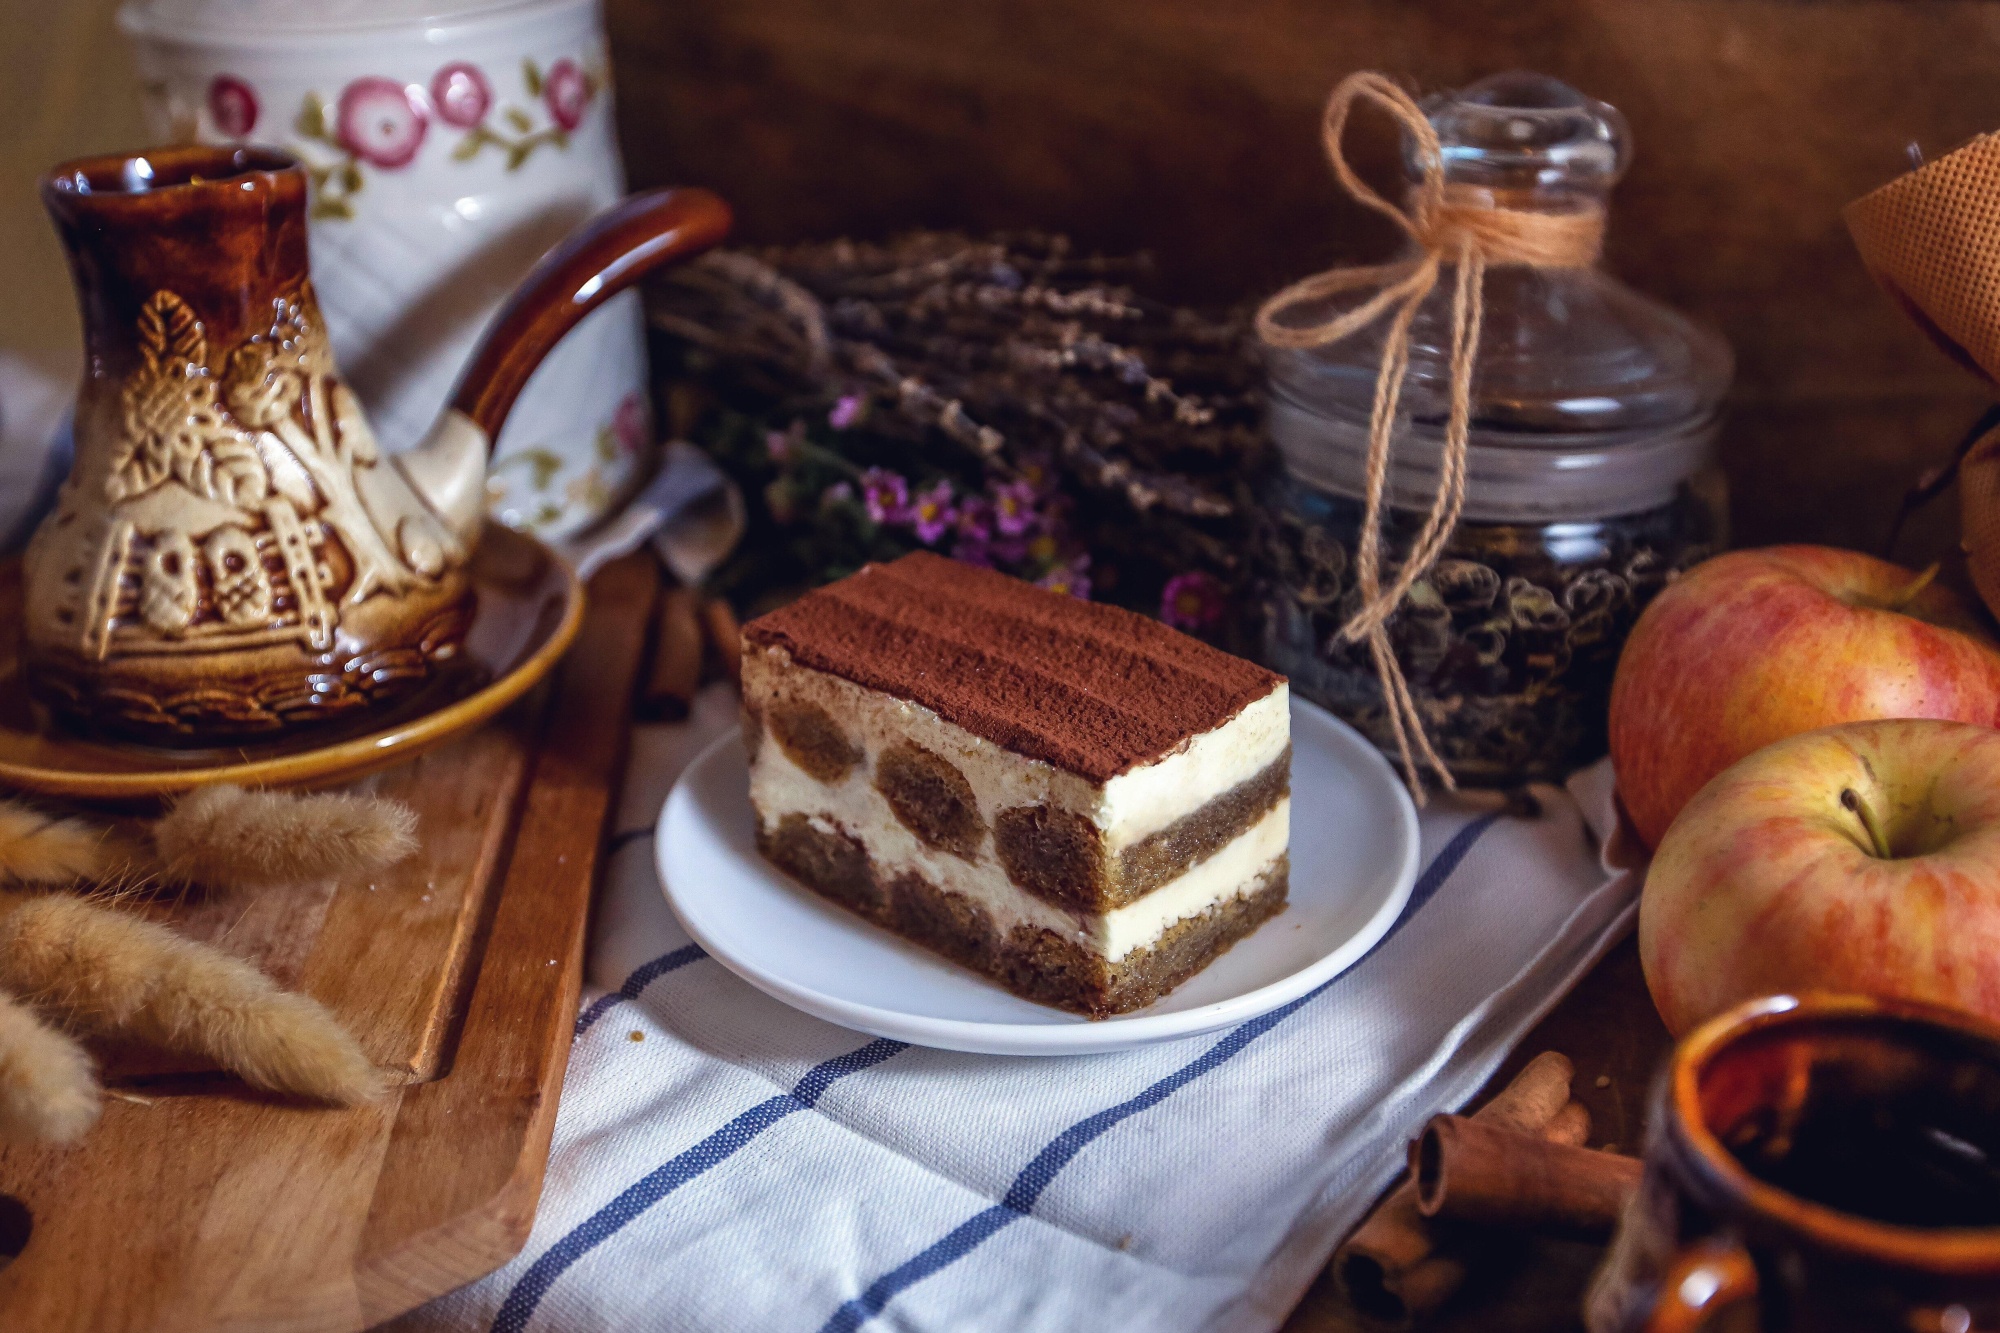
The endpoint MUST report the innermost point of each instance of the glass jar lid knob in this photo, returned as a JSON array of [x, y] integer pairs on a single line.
[[1519, 132]]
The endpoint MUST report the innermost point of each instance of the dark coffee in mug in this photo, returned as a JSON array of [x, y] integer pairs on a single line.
[[1817, 1163], [1892, 1121]]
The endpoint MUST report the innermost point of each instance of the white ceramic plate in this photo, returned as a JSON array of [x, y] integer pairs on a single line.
[[1354, 862]]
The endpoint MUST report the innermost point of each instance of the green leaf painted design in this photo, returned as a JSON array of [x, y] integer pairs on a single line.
[[541, 463], [312, 117], [518, 119], [531, 75]]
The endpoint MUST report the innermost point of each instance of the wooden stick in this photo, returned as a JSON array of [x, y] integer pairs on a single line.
[[1471, 1171], [1391, 1266], [725, 634], [675, 672]]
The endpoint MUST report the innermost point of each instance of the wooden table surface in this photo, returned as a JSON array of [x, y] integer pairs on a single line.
[[1608, 1028]]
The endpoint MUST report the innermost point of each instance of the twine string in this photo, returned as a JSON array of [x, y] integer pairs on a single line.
[[1447, 224]]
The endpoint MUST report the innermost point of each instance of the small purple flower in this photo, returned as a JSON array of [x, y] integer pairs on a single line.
[[461, 94], [233, 104], [1192, 601], [973, 553], [778, 445], [1014, 508], [380, 122], [837, 494], [1072, 578], [931, 513], [886, 495], [567, 93], [975, 520], [1038, 470], [845, 412]]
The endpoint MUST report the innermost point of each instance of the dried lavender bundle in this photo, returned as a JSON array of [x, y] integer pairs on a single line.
[[1004, 400]]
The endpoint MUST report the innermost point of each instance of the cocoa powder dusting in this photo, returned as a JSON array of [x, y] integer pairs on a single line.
[[1088, 688]]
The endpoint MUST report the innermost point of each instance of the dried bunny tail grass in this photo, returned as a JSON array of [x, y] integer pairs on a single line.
[[48, 1092], [37, 848], [226, 837], [105, 972]]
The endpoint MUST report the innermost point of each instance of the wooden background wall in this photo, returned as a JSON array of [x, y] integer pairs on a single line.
[[1188, 127]]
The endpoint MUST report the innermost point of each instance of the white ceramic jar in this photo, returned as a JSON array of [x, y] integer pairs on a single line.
[[450, 143]]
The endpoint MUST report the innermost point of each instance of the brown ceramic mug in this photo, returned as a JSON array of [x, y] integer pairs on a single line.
[[1817, 1163]]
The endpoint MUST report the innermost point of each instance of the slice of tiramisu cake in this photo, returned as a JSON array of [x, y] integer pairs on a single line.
[[1079, 802]]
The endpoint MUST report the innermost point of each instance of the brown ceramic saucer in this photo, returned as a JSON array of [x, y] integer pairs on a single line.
[[529, 607]]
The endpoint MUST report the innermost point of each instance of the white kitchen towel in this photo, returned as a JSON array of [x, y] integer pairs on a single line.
[[722, 1162]]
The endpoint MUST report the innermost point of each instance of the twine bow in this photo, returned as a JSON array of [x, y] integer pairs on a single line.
[[1465, 227]]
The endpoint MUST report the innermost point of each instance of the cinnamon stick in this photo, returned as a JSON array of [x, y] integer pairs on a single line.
[[1391, 1267], [675, 671], [1472, 1171]]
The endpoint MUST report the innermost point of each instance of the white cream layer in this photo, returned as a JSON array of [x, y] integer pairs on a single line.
[[1131, 806], [1000, 779]]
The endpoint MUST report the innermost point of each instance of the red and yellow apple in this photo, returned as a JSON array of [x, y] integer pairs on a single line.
[[1863, 858], [1755, 646]]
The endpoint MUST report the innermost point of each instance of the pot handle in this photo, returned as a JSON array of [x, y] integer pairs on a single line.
[[601, 259], [1704, 1279]]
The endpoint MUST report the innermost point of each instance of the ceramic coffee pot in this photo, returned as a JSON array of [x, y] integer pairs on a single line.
[[232, 555]]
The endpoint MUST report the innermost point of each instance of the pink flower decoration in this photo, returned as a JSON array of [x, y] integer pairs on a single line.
[[931, 513], [461, 94], [380, 123], [233, 105], [1014, 508], [886, 495], [1072, 578], [845, 412], [630, 425], [567, 93], [1192, 601]]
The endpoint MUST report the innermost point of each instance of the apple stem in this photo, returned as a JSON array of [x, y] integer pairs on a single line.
[[1917, 585], [1866, 814]]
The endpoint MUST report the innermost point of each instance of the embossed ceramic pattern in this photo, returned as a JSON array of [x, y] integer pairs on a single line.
[[449, 143], [230, 554], [527, 608]]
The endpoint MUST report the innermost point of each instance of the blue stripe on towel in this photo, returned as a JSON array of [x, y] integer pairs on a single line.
[[1435, 874], [606, 1222], [1040, 1173], [641, 978]]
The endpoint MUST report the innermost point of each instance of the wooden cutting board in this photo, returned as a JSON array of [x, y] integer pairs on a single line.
[[198, 1204]]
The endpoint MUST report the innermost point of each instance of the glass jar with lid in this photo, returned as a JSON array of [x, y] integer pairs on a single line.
[[1588, 477]]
